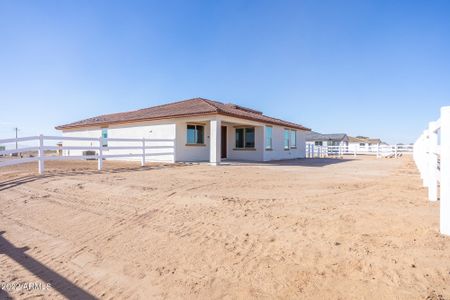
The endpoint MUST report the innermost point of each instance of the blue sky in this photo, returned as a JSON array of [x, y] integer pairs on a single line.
[[374, 68]]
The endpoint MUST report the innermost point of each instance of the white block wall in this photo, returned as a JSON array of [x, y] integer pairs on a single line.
[[278, 152], [242, 154], [189, 153], [148, 130]]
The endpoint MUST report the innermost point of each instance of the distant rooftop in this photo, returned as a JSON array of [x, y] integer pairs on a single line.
[[352, 139], [313, 136]]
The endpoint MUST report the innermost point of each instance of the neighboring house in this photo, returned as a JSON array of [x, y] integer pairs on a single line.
[[202, 130], [363, 144], [332, 139]]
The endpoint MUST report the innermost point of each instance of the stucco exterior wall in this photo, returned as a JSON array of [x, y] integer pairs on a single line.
[[84, 132], [191, 153], [278, 152], [148, 130], [243, 154]]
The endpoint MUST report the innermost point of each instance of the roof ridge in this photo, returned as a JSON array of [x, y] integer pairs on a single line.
[[211, 103], [171, 103], [141, 109]]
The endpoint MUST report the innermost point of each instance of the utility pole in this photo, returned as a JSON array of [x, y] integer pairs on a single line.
[[16, 129]]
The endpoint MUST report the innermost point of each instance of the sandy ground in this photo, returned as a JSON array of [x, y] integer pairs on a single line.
[[312, 229]]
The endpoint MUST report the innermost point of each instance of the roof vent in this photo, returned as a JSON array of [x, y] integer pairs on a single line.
[[245, 108]]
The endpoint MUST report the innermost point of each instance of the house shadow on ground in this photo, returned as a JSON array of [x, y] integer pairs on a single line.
[[48, 276], [302, 162]]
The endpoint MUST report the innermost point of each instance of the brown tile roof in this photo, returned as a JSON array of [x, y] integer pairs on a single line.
[[191, 107]]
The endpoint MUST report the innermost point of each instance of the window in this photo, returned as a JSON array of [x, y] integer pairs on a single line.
[[318, 143], [245, 137], [333, 143], [293, 140], [268, 137], [104, 137], [286, 139], [195, 134], [362, 144]]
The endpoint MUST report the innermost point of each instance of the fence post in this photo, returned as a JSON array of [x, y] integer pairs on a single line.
[[445, 171], [432, 166], [423, 158], [312, 151], [41, 155], [143, 153], [100, 154]]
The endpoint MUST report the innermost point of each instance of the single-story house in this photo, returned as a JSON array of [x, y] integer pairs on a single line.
[[361, 143], [329, 139], [201, 130]]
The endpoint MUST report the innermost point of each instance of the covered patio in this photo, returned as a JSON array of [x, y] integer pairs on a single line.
[[226, 138]]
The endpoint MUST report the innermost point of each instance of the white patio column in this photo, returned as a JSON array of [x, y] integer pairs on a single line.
[[445, 171], [214, 141]]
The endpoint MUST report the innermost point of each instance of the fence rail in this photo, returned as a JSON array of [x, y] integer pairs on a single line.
[[143, 146], [432, 158], [313, 151]]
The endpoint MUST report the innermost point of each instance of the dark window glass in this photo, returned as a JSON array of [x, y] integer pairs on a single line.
[[249, 137], [245, 137], [239, 137], [200, 134], [191, 134]]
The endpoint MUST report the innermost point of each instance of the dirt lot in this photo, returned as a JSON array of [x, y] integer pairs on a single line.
[[338, 229]]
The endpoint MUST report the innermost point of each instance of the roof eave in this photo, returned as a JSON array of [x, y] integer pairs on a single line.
[[220, 112]]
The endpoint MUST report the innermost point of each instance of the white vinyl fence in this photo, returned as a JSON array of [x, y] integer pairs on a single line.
[[394, 151], [432, 157], [139, 149]]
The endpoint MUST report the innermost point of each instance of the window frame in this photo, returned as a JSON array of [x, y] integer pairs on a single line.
[[196, 135], [286, 138], [244, 141], [270, 146], [293, 133], [104, 138]]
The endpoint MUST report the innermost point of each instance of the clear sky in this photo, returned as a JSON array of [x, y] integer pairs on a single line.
[[374, 68]]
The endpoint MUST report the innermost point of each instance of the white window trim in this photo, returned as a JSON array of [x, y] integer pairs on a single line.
[[270, 147], [104, 140], [291, 145], [288, 139]]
